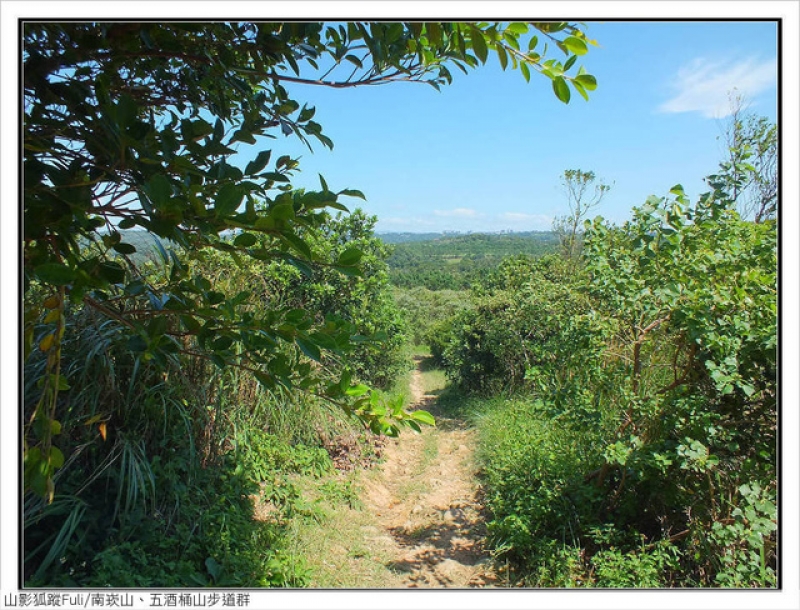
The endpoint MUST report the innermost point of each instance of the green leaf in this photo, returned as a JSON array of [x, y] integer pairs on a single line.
[[306, 114], [324, 340], [55, 274], [344, 382], [221, 343], [587, 81], [245, 240], [502, 56], [579, 88], [300, 265], [259, 163], [357, 390], [56, 457], [123, 248], [526, 72], [214, 569], [295, 316], [275, 177], [747, 388], [337, 206], [297, 243], [434, 31], [308, 348], [158, 189], [190, 324], [127, 109], [423, 417], [348, 271], [137, 344], [351, 256], [242, 135], [265, 379], [352, 193], [479, 44], [60, 381], [511, 40], [228, 199], [575, 45], [561, 89], [282, 211], [517, 28], [111, 272], [195, 130]]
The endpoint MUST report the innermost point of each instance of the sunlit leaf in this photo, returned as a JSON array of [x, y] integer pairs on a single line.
[[423, 417], [357, 390], [588, 81], [561, 89], [575, 45]]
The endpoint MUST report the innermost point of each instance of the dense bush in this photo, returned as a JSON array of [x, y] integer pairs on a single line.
[[645, 437], [360, 302], [527, 317]]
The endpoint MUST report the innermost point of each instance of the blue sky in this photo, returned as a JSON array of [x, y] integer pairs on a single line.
[[487, 152]]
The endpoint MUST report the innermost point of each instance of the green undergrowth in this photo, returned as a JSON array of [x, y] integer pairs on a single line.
[[197, 530], [165, 474], [555, 528]]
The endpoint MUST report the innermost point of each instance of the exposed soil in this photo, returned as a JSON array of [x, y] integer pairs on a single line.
[[425, 499]]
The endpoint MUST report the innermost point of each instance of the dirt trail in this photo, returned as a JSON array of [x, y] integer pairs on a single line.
[[425, 499]]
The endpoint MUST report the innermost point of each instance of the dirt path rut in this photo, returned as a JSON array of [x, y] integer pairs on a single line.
[[425, 498]]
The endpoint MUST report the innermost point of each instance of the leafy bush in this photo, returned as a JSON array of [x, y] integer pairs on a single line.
[[650, 376], [745, 542], [527, 319], [533, 469]]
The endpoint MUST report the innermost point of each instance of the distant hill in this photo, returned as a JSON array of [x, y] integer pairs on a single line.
[[453, 261], [404, 238]]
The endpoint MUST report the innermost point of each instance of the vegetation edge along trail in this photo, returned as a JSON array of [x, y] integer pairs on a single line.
[[414, 519]]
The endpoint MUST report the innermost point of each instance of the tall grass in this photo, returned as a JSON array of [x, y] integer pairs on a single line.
[[154, 469]]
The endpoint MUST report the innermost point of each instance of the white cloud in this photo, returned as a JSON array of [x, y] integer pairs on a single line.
[[457, 213], [703, 86]]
